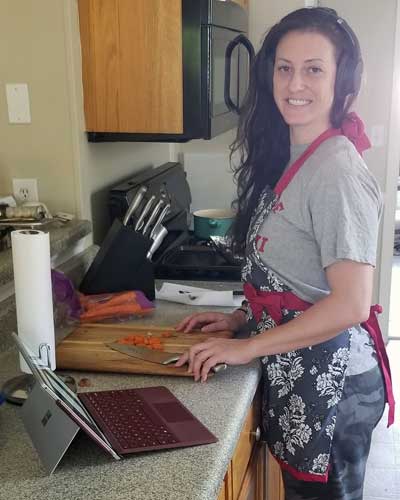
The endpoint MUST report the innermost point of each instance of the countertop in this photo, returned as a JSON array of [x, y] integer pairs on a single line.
[[62, 236], [86, 471]]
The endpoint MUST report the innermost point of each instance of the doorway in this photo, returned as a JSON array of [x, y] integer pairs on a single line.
[[394, 313]]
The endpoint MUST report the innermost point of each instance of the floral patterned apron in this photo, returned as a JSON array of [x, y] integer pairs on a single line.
[[302, 388]]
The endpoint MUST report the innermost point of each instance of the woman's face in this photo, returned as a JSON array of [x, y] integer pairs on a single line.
[[304, 83]]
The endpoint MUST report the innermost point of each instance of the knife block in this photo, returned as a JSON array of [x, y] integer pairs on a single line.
[[121, 264]]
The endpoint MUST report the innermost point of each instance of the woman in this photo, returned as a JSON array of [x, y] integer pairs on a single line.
[[307, 220]]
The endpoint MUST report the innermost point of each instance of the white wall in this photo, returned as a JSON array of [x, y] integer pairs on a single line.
[[41, 47], [375, 25], [98, 166], [32, 51]]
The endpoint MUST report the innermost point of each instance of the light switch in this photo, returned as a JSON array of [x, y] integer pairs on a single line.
[[18, 103], [377, 136]]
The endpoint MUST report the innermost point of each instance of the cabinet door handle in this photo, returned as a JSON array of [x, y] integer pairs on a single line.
[[256, 434]]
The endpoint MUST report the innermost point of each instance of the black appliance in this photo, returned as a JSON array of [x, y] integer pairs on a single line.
[[181, 255], [216, 61]]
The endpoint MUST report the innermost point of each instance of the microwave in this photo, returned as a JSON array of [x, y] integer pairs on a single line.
[[216, 60], [216, 67]]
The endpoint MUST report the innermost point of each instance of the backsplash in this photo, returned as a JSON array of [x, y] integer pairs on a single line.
[[210, 180]]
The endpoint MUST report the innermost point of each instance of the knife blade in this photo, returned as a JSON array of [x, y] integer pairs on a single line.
[[134, 204], [145, 210], [161, 358]]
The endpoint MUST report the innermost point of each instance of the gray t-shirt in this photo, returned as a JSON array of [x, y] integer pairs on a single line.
[[330, 212]]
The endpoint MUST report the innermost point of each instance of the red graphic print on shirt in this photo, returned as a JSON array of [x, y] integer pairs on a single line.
[[261, 242], [278, 207]]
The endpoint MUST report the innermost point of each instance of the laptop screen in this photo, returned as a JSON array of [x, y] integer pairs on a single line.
[[59, 391]]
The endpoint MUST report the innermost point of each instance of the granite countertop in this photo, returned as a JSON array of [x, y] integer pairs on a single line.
[[62, 236], [87, 471]]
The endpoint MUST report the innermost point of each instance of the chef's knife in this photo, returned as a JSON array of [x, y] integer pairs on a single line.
[[134, 204], [145, 211], [152, 217], [159, 220], [158, 237], [162, 358]]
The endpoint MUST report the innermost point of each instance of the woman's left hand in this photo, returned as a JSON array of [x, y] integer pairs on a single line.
[[203, 356]]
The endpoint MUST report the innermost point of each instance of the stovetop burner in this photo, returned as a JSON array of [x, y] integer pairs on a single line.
[[196, 259]]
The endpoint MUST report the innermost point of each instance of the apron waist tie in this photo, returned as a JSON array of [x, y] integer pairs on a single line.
[[373, 328], [274, 302]]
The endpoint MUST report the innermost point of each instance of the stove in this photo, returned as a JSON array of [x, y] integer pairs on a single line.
[[198, 260]]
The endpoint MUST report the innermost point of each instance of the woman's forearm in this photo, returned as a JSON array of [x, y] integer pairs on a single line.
[[321, 322]]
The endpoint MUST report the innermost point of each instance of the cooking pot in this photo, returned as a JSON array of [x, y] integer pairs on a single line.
[[212, 222]]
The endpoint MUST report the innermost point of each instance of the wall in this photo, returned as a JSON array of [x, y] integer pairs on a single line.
[[43, 50], [32, 51], [376, 28], [99, 165]]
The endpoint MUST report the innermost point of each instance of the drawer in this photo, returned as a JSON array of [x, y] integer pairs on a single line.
[[244, 447]]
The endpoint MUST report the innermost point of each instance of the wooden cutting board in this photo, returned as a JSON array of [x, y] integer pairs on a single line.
[[85, 349]]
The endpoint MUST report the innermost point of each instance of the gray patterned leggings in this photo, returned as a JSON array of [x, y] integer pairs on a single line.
[[359, 411]]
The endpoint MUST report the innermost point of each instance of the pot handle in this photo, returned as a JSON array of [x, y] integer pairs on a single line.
[[212, 222]]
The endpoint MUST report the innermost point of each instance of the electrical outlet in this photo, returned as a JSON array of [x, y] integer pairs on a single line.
[[25, 190]]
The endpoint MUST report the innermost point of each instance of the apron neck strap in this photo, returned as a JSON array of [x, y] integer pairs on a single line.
[[352, 127], [293, 169]]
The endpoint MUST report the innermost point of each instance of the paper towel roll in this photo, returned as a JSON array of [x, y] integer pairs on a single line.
[[33, 292]]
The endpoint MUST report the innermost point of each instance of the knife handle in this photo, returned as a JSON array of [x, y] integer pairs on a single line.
[[134, 204], [159, 236], [145, 210], [152, 217], [160, 219]]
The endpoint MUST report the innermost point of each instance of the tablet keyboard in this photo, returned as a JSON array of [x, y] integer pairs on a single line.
[[128, 419]]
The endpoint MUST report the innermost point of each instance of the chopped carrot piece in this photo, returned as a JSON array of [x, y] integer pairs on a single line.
[[154, 340]]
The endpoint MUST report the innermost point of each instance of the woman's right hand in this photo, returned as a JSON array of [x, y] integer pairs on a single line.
[[212, 322]]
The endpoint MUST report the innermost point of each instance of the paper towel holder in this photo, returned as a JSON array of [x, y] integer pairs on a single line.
[[46, 347], [17, 389]]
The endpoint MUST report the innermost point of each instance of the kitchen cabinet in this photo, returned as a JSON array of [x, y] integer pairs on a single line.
[[249, 476], [132, 65], [156, 70]]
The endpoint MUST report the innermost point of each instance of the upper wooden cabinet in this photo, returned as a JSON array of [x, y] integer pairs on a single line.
[[157, 69], [132, 65]]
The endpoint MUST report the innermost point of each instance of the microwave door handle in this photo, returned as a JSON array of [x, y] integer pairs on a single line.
[[239, 40], [249, 47], [251, 52], [227, 84]]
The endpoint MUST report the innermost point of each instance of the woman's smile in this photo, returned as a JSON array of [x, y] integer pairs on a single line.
[[298, 102]]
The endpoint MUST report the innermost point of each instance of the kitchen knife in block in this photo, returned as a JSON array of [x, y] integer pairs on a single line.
[[121, 264], [163, 358]]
